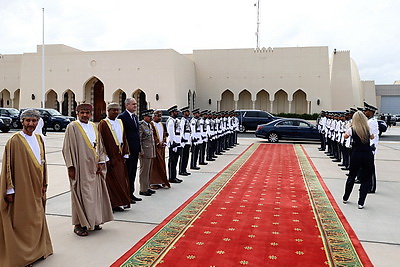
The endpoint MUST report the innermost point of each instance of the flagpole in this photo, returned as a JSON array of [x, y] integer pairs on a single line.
[[258, 25], [43, 85]]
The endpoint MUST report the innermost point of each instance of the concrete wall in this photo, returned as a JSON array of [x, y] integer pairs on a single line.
[[287, 69]]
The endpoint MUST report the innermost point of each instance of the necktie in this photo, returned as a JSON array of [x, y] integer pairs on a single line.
[[135, 120]]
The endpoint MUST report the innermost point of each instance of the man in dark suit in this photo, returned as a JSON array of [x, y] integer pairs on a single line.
[[131, 127]]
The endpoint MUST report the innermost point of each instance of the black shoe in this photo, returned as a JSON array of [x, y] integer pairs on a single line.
[[345, 169], [176, 181], [187, 173], [151, 191], [336, 160], [136, 198], [195, 168], [214, 157], [145, 194], [203, 163], [218, 153], [347, 174], [341, 165], [184, 173], [118, 209], [133, 201], [371, 192], [210, 159]]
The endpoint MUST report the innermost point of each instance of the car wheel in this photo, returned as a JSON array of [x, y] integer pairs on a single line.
[[5, 130], [273, 137], [15, 125], [57, 127], [242, 129]]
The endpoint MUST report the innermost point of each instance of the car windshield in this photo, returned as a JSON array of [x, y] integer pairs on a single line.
[[13, 111], [53, 112]]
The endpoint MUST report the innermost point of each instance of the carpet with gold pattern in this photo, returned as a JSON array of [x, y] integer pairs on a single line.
[[269, 207]]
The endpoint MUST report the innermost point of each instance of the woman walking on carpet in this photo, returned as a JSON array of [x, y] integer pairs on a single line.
[[361, 157]]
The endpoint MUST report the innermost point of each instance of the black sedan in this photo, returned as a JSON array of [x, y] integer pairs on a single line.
[[287, 129]]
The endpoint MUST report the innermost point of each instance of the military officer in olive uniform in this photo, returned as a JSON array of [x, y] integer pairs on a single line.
[[147, 153]]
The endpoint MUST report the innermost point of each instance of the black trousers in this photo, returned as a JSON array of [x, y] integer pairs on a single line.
[[322, 140], [346, 156], [329, 144], [173, 162], [184, 159], [235, 133], [209, 149], [373, 177], [131, 165], [195, 155], [340, 151], [363, 160], [202, 152], [218, 146]]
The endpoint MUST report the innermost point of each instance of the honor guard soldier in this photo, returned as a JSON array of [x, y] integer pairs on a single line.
[[210, 136], [185, 141], [203, 132], [236, 126], [231, 139], [223, 134], [346, 142], [218, 125], [328, 133], [369, 111], [321, 124], [196, 138], [173, 143]]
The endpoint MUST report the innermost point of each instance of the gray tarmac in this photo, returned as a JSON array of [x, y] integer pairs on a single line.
[[377, 225]]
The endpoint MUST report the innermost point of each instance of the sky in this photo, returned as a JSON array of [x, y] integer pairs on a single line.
[[370, 29]]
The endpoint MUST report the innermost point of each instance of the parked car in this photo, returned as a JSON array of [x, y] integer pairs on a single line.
[[52, 118], [12, 113], [393, 119], [5, 124], [288, 129], [382, 126], [250, 119], [397, 117]]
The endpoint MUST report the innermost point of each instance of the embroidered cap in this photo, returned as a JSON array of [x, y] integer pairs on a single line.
[[84, 106], [30, 113], [112, 106]]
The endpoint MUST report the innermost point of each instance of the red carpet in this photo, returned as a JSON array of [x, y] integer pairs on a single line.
[[268, 207]]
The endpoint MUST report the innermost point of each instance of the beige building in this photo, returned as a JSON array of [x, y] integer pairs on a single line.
[[290, 79]]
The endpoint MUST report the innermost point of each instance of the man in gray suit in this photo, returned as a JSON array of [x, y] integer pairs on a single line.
[[147, 153]]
